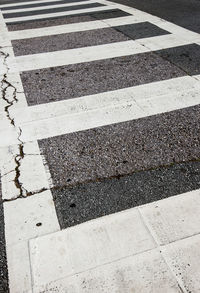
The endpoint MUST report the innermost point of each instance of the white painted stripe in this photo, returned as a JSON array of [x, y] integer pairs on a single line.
[[79, 55], [92, 53], [41, 8], [57, 14], [163, 42], [141, 93], [43, 121], [21, 219], [4, 41], [26, 3], [47, 120], [33, 175], [71, 28], [21, 215]]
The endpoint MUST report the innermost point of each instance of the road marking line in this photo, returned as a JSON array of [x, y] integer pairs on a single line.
[[23, 174], [27, 2], [71, 28], [26, 219], [141, 94], [48, 120], [57, 14], [49, 7], [92, 53], [62, 124]]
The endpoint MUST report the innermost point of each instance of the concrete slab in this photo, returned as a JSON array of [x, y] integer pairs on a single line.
[[88, 268], [149, 270], [174, 218], [88, 246], [183, 256]]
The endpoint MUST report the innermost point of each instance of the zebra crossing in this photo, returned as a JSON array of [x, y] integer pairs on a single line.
[[99, 149]]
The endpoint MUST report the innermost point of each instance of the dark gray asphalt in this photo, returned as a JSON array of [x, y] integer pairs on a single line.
[[3, 260], [13, 1], [124, 148], [67, 41], [52, 10], [86, 38], [103, 75], [91, 200], [185, 13], [141, 30], [185, 57], [39, 4], [66, 19]]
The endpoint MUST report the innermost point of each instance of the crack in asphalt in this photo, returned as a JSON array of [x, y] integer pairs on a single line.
[[25, 195], [5, 86], [18, 158]]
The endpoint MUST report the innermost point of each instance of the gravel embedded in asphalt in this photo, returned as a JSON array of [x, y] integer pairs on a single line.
[[124, 148], [67, 41], [51, 10], [72, 81], [96, 199], [181, 12], [46, 22]]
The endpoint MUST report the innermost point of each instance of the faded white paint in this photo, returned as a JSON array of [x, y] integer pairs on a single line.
[[57, 14], [43, 121], [72, 27], [92, 53], [21, 215], [41, 8], [26, 2]]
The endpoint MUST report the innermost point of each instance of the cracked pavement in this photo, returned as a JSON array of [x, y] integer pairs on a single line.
[[5, 86], [99, 147]]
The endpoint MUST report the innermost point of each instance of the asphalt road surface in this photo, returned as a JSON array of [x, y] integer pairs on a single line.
[[184, 13], [100, 146]]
